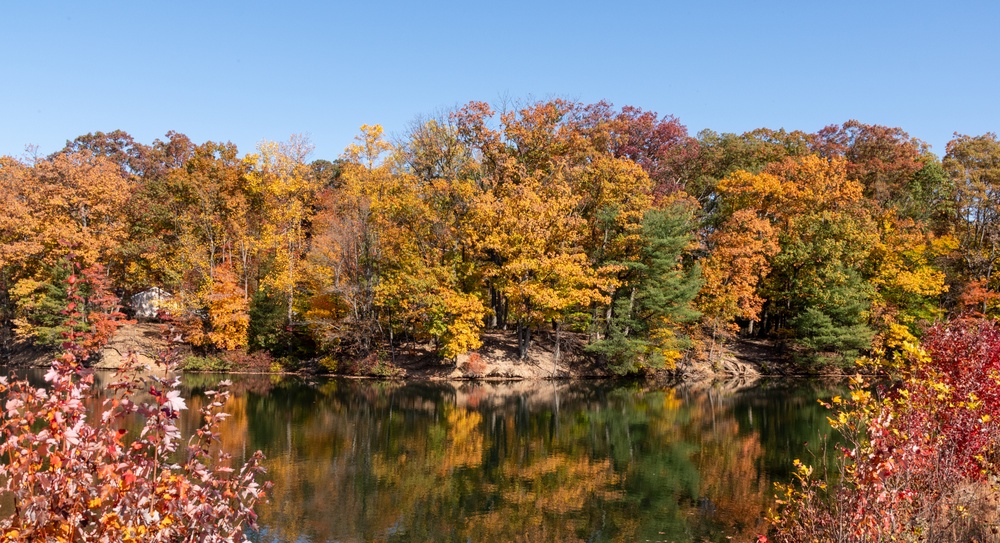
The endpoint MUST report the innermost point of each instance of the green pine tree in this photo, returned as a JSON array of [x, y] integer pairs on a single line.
[[644, 327]]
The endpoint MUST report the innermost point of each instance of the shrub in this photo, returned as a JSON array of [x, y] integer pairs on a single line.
[[74, 479], [474, 366], [205, 363], [387, 370], [256, 362], [329, 363], [919, 460], [372, 365]]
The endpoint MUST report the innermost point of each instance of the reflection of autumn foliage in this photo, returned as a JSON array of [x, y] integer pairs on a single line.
[[362, 461], [532, 490], [731, 476], [233, 431], [465, 443], [576, 479], [462, 447], [527, 495]]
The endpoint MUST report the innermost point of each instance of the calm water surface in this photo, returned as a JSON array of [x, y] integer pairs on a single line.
[[587, 461]]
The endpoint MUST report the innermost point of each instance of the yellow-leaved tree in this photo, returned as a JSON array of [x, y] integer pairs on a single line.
[[279, 177], [739, 259], [384, 252], [532, 239]]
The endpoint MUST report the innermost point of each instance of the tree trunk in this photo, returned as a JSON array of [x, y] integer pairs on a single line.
[[523, 340], [631, 306], [557, 341], [607, 318], [711, 349], [495, 304], [245, 258], [291, 280], [392, 344], [594, 330], [503, 312], [211, 257]]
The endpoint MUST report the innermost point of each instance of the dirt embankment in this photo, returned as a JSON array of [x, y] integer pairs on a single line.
[[144, 339], [744, 361], [498, 359]]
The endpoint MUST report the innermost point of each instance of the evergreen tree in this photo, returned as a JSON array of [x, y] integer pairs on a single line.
[[41, 305], [834, 318], [267, 326], [644, 325]]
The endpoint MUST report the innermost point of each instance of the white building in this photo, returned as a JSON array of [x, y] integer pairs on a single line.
[[148, 303]]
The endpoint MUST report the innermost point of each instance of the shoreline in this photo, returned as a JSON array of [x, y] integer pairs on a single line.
[[496, 361]]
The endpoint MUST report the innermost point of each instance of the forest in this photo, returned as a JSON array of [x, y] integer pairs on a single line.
[[611, 224]]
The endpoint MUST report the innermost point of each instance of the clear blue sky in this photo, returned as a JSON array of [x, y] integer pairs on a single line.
[[252, 70]]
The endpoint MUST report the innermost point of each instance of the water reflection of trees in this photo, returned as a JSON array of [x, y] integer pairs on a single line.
[[368, 461]]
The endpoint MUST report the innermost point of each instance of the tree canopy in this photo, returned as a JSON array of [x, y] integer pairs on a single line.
[[546, 218]]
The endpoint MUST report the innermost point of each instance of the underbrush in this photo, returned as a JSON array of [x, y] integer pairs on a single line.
[[205, 363]]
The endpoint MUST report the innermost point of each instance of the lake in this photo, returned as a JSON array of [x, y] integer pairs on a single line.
[[552, 461]]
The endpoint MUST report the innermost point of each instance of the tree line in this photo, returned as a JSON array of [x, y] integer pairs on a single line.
[[555, 216]]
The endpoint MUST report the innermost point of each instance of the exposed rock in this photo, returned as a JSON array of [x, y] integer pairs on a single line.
[[142, 338], [734, 367]]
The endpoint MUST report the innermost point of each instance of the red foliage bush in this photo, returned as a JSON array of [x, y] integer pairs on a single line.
[[475, 366], [73, 479], [920, 455]]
